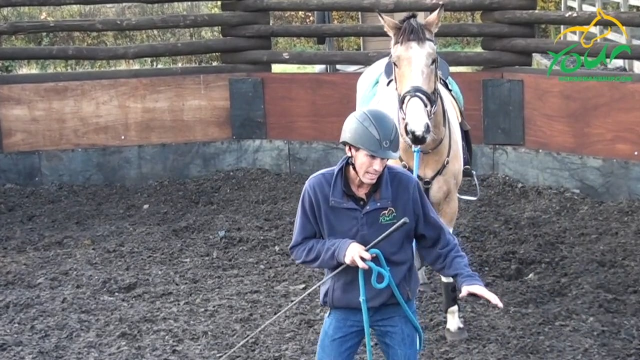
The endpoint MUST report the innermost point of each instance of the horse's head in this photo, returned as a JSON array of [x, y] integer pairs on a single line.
[[415, 62]]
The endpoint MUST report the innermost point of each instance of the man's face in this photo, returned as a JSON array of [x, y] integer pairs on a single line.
[[369, 167]]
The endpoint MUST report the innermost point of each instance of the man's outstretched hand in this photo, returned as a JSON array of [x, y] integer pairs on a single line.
[[482, 292]]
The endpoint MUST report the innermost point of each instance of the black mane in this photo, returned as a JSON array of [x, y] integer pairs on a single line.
[[412, 30]]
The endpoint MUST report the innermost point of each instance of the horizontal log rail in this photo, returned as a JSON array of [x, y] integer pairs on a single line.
[[385, 6], [532, 46], [314, 5], [89, 75], [453, 58], [579, 18], [131, 24], [183, 48], [21, 3], [244, 25], [347, 30]]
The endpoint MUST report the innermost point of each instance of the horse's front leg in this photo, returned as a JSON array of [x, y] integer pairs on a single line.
[[422, 275], [454, 329]]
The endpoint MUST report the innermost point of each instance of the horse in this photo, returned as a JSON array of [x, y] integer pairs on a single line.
[[414, 87]]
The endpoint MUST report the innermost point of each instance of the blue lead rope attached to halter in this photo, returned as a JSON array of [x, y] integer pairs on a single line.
[[416, 160], [386, 274], [416, 167]]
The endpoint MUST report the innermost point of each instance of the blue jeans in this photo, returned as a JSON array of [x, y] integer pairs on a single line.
[[343, 332]]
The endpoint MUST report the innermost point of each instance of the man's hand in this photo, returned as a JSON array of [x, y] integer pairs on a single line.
[[354, 255], [482, 292]]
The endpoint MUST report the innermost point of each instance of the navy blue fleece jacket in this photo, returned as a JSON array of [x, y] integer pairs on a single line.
[[328, 222]]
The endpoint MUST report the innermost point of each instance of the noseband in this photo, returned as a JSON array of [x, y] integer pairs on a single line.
[[429, 100]]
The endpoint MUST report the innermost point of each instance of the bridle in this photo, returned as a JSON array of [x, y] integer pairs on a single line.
[[428, 99]]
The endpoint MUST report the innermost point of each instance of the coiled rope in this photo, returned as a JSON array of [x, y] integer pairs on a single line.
[[386, 274], [382, 237]]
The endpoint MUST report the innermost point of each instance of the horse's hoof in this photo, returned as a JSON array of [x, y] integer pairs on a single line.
[[461, 334]]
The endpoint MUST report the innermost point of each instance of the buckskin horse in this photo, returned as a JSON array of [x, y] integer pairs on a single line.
[[413, 85]]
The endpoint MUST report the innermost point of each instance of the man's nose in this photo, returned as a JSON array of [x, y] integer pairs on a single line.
[[378, 165]]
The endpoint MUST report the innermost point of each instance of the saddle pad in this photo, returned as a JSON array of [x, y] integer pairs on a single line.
[[369, 94], [456, 92], [450, 105]]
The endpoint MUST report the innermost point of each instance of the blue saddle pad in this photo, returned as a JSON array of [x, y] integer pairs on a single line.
[[370, 92], [456, 92]]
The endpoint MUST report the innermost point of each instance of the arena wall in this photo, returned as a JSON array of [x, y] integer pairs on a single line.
[[537, 129]]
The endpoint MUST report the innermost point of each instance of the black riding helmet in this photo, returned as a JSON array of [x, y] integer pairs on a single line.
[[371, 130]]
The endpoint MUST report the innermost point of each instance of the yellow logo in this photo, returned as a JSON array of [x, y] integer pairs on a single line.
[[601, 16]]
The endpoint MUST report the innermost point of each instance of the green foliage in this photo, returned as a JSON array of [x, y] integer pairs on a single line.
[[549, 31], [307, 18], [120, 38], [459, 43]]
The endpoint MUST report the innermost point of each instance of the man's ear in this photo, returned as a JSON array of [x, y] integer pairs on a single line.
[[348, 150]]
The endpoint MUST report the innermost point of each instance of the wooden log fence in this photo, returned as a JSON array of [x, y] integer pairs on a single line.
[[571, 18], [507, 32], [131, 24], [531, 46], [383, 6], [181, 48], [453, 58], [364, 30], [313, 5]]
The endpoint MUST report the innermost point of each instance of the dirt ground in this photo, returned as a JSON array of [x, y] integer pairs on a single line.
[[186, 270]]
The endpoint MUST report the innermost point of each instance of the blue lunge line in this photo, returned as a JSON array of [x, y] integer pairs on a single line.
[[386, 274]]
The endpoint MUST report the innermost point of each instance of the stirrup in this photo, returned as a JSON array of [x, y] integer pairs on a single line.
[[468, 172]]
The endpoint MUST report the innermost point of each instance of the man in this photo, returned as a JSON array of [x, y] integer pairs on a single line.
[[342, 210]]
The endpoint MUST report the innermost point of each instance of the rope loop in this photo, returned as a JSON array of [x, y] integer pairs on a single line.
[[386, 275]]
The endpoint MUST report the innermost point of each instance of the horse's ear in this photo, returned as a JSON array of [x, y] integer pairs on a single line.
[[391, 27], [432, 22]]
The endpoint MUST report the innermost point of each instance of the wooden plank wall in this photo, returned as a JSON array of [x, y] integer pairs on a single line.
[[316, 109], [585, 118], [103, 113]]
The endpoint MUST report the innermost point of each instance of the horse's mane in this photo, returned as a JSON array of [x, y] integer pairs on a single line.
[[411, 30]]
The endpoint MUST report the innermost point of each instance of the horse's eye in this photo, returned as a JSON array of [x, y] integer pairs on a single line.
[[433, 61]]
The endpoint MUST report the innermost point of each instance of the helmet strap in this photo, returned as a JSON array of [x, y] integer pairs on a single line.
[[353, 166]]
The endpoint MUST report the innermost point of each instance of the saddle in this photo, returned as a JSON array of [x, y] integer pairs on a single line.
[[467, 147]]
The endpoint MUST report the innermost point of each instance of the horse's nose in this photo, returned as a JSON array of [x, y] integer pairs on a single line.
[[427, 129]]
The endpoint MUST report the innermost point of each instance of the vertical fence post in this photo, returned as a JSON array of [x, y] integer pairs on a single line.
[[264, 19]]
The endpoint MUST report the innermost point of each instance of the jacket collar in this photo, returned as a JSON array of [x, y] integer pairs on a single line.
[[381, 198]]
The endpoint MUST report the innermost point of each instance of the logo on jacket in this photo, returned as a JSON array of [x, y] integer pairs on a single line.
[[388, 216]]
